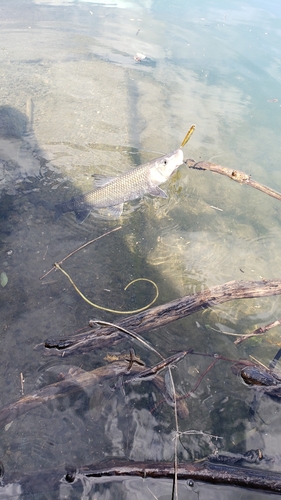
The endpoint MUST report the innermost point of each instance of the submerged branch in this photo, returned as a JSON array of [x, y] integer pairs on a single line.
[[159, 316], [203, 471], [77, 380], [235, 175], [208, 472], [258, 331]]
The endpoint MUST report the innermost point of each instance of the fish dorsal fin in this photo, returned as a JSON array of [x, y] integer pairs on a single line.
[[102, 180]]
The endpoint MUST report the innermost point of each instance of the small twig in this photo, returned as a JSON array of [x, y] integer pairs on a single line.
[[224, 332], [216, 208], [187, 395], [275, 360], [80, 248], [258, 331], [131, 334], [258, 362], [154, 370], [21, 384], [200, 433], [152, 493], [190, 351], [44, 256], [175, 478]]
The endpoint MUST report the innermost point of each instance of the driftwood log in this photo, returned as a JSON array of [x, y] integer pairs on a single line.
[[159, 316], [235, 175]]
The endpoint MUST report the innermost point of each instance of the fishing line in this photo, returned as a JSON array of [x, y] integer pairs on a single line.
[[57, 266]]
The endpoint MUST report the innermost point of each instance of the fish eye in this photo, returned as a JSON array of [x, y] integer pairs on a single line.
[[165, 162]]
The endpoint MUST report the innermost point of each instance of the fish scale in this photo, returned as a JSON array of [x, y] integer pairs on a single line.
[[112, 193]]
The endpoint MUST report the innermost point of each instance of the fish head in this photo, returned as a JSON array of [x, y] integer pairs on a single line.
[[166, 165]]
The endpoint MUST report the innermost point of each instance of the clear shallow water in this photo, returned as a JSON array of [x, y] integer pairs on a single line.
[[97, 110]]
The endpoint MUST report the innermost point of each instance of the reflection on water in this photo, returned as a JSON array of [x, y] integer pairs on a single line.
[[75, 103]]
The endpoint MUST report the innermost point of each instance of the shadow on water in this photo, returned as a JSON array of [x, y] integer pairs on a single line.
[[32, 310]]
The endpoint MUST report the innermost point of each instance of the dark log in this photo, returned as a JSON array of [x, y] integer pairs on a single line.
[[204, 471], [77, 379], [208, 472], [235, 175], [159, 316]]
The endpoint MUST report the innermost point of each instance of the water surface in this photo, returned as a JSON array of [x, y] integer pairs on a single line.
[[75, 103]]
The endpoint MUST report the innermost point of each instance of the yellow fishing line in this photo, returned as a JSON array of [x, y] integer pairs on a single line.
[[188, 135], [57, 266]]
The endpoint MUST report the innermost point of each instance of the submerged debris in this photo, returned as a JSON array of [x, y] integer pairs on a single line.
[[139, 57], [3, 279]]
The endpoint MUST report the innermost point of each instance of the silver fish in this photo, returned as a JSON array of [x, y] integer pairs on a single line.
[[112, 193]]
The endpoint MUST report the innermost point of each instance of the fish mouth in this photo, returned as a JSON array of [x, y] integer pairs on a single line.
[[177, 156], [165, 167], [174, 159]]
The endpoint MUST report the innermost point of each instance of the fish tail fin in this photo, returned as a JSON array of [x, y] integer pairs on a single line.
[[69, 206], [62, 208]]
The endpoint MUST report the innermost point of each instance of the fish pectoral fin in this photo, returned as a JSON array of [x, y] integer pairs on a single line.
[[157, 191], [81, 215], [101, 180], [115, 210]]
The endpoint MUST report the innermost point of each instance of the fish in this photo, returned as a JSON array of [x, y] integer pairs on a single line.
[[112, 192]]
